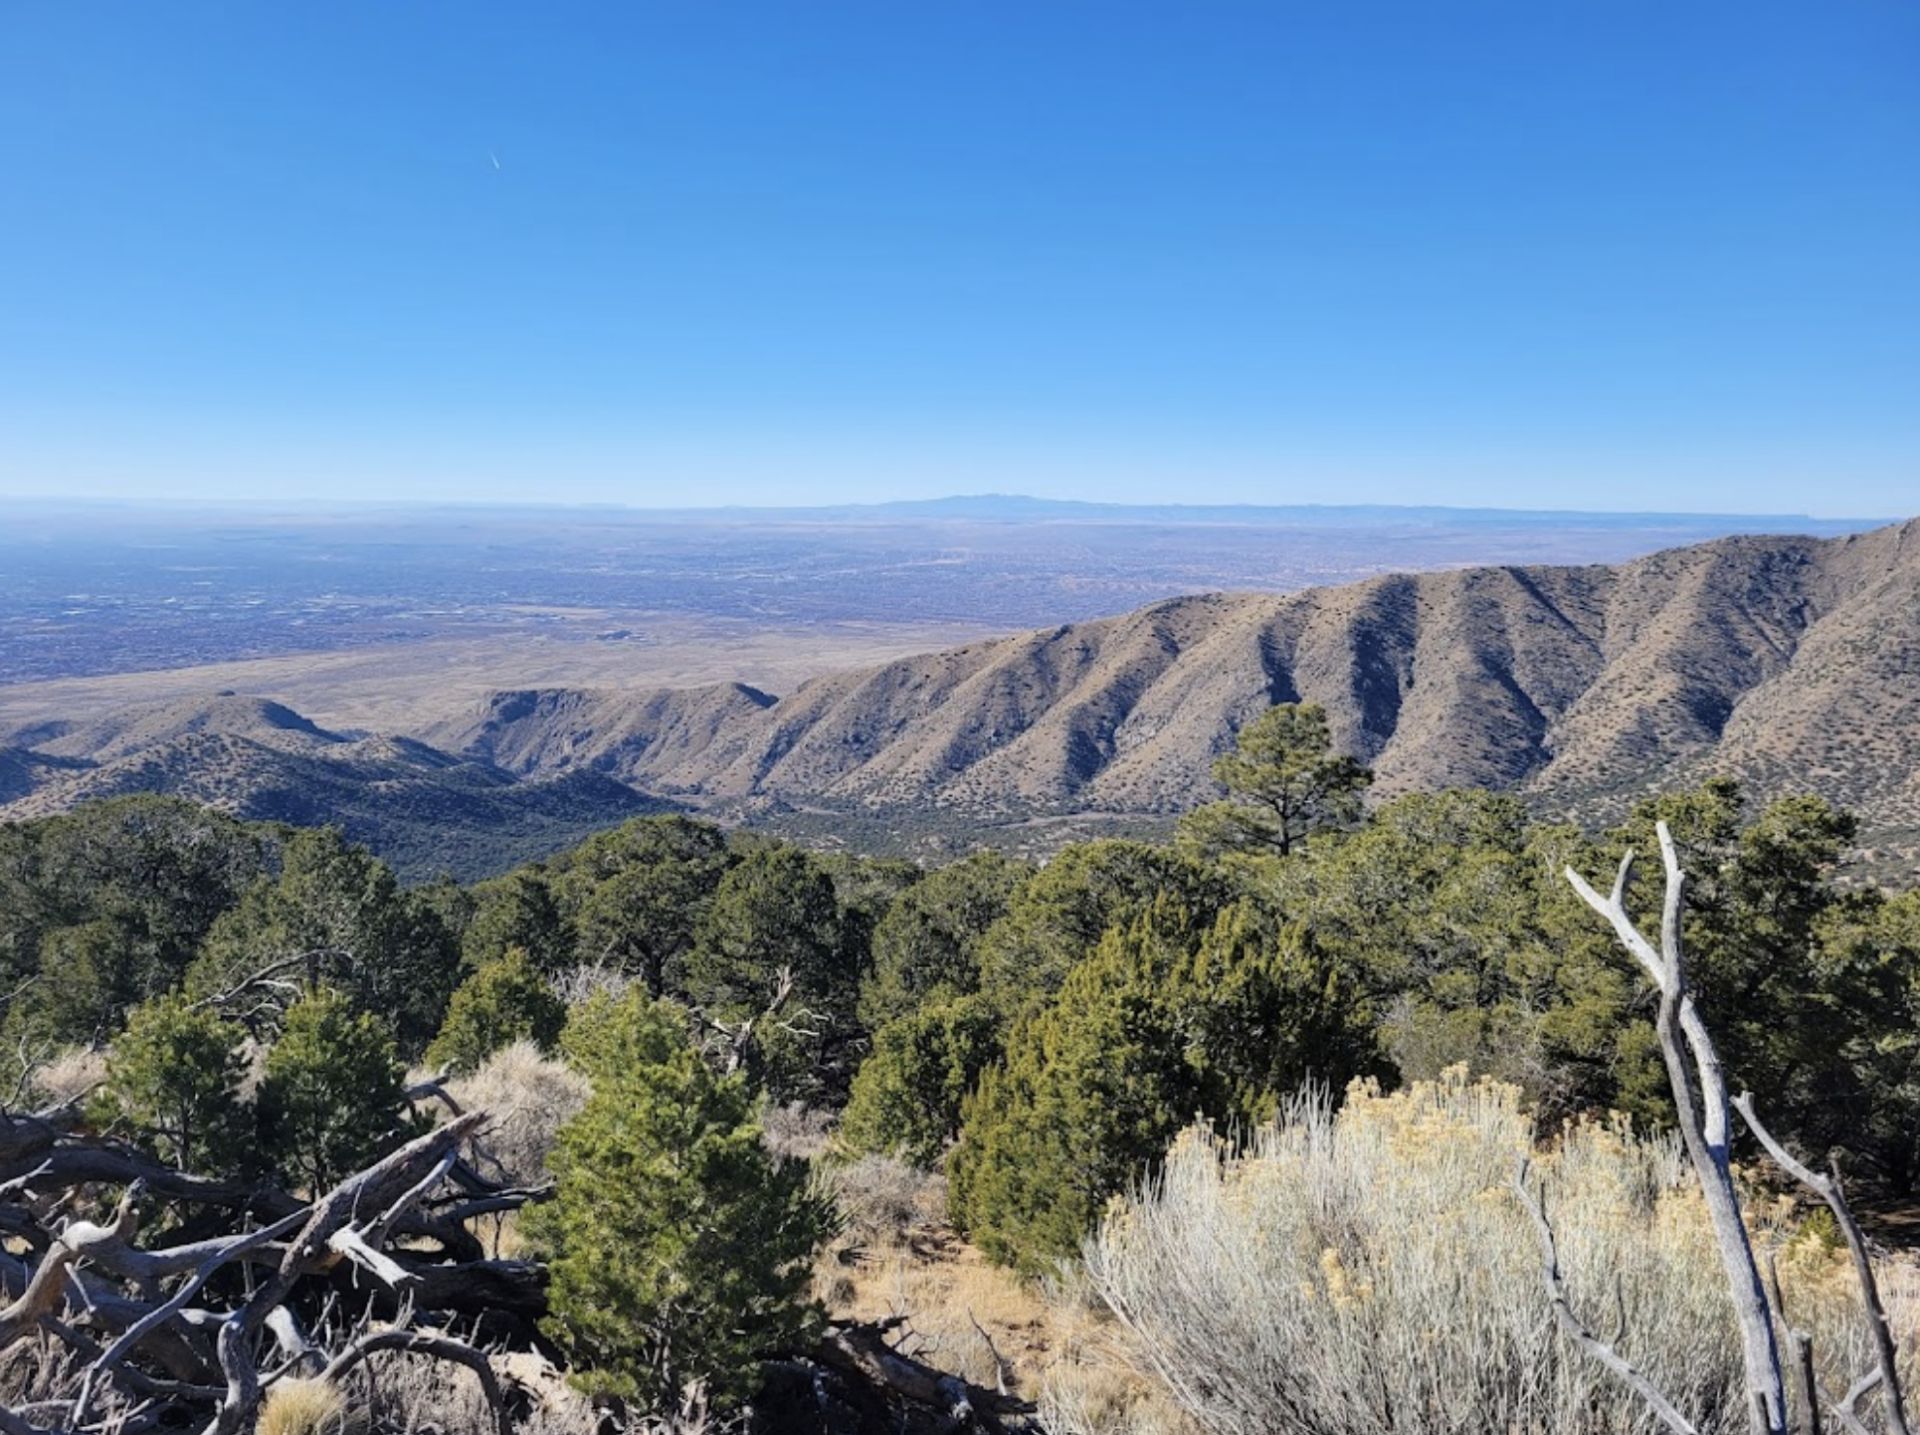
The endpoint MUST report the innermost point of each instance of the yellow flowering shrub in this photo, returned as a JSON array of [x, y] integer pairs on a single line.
[[1370, 1270]]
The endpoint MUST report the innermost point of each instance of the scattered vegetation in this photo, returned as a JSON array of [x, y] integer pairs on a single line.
[[1154, 1137]]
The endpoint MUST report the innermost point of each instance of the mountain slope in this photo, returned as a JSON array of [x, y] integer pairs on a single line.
[[423, 809], [666, 732], [1791, 662]]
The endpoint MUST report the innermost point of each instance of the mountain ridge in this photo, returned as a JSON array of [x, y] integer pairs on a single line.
[[1790, 662], [1567, 683], [423, 808]]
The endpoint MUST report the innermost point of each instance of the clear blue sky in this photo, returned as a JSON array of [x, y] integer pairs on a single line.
[[1555, 253]]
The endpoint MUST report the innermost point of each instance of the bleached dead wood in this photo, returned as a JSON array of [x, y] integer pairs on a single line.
[[183, 1333], [434, 1345], [1832, 1191], [861, 1351], [1703, 1114], [1576, 1329]]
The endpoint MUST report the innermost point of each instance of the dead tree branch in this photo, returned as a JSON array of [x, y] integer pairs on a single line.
[[1831, 1190], [435, 1346], [736, 1039], [178, 1336], [1700, 1100], [1576, 1330], [860, 1351]]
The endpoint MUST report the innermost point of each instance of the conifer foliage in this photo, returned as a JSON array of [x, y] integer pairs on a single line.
[[506, 1001], [1284, 782], [677, 1247], [332, 1095], [173, 1081], [1162, 1024]]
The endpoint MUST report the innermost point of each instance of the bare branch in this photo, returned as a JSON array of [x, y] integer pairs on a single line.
[[1700, 1101], [232, 1249], [1574, 1327], [1809, 1382], [434, 1088], [1844, 1409], [1830, 1190], [435, 1346], [383, 1182], [1614, 909], [46, 1289], [271, 979], [737, 1039]]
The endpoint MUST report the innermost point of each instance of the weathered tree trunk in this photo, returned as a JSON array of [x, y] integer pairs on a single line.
[[1701, 1104]]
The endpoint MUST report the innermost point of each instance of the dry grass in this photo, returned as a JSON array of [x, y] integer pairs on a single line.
[[885, 1202], [1372, 1272], [897, 1257], [35, 1369], [528, 1096], [307, 1407], [69, 1076], [796, 1132]]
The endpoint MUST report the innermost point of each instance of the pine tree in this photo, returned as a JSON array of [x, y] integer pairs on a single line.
[[506, 1001], [677, 1248], [173, 1080], [332, 1094], [1284, 782]]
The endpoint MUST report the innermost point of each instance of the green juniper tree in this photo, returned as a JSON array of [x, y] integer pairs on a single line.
[[332, 1093], [926, 946], [1056, 917], [339, 911], [104, 907], [677, 1247], [1166, 1021], [775, 912], [517, 912], [173, 1082], [908, 1094], [636, 896], [507, 1000]]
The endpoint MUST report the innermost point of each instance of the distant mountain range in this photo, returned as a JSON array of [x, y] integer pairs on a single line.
[[1021, 508], [1791, 662], [967, 507]]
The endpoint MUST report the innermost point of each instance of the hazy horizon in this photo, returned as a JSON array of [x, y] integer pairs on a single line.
[[955, 505]]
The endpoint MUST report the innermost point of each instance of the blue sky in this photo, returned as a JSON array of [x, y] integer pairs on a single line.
[[1552, 253]]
